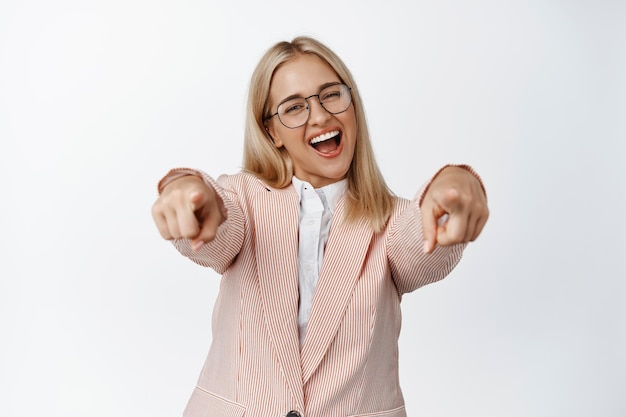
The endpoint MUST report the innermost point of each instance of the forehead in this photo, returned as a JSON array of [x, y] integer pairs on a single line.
[[302, 75]]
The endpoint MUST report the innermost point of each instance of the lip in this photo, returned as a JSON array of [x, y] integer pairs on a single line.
[[332, 154], [328, 155]]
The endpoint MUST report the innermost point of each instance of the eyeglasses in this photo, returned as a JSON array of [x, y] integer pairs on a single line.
[[295, 112]]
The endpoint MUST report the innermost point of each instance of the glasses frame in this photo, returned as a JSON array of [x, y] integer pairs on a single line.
[[309, 107]]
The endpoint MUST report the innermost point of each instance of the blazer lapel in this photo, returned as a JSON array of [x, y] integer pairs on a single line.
[[277, 261], [343, 259]]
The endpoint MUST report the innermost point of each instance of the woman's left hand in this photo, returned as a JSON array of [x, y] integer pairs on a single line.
[[454, 208]]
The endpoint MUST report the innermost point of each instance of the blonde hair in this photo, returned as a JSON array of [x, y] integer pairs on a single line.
[[368, 192]]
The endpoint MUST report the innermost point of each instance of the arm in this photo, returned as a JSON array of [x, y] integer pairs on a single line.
[[412, 267], [423, 246], [201, 217]]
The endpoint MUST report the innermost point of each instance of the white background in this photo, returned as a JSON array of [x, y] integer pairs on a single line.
[[98, 99]]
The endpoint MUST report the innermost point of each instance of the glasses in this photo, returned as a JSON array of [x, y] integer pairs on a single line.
[[295, 112]]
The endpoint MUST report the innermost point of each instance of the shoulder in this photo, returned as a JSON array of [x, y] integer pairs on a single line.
[[242, 180], [246, 183], [401, 204], [404, 210]]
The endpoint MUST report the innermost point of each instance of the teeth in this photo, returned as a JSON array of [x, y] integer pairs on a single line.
[[325, 136]]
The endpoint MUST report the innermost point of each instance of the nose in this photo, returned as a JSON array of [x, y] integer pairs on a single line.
[[318, 115]]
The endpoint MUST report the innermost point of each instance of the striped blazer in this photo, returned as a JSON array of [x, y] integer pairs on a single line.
[[348, 364]]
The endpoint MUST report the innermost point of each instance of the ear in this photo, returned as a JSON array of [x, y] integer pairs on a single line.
[[271, 132]]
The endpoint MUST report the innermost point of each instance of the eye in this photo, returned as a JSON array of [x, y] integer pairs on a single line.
[[333, 93], [292, 107]]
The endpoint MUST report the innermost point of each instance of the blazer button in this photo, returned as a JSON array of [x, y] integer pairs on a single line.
[[293, 413]]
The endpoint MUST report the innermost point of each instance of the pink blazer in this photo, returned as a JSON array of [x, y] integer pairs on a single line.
[[348, 365]]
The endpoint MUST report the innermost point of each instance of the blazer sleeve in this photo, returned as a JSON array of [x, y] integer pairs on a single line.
[[222, 251], [410, 267]]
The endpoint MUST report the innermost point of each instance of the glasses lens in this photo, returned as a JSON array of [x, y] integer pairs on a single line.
[[336, 98], [294, 112]]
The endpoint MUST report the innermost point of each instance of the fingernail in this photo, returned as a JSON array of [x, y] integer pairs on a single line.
[[426, 247], [196, 245]]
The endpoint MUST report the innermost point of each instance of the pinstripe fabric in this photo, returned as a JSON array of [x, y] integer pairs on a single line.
[[348, 364]]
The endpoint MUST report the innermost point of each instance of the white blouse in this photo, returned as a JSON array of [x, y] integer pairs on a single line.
[[316, 212]]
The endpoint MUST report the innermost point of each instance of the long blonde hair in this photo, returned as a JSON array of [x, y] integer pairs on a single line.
[[368, 192]]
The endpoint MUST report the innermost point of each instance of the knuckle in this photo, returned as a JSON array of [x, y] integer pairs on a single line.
[[164, 231], [155, 210], [176, 195], [455, 235], [188, 232], [466, 199]]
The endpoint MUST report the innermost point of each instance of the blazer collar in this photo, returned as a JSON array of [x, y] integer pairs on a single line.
[[276, 224]]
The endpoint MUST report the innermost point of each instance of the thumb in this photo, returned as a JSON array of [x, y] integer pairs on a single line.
[[435, 216], [429, 230], [197, 203], [209, 218]]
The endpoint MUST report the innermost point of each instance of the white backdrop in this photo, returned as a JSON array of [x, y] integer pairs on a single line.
[[98, 99]]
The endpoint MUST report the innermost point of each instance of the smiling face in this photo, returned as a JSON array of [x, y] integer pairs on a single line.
[[322, 149]]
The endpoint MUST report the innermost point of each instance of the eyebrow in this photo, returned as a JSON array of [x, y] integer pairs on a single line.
[[321, 87]]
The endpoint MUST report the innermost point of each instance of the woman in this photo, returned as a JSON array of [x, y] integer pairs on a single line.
[[314, 249]]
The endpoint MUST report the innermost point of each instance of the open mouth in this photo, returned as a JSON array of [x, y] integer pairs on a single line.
[[327, 143]]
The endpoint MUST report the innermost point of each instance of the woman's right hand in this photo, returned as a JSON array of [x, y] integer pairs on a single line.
[[188, 208]]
